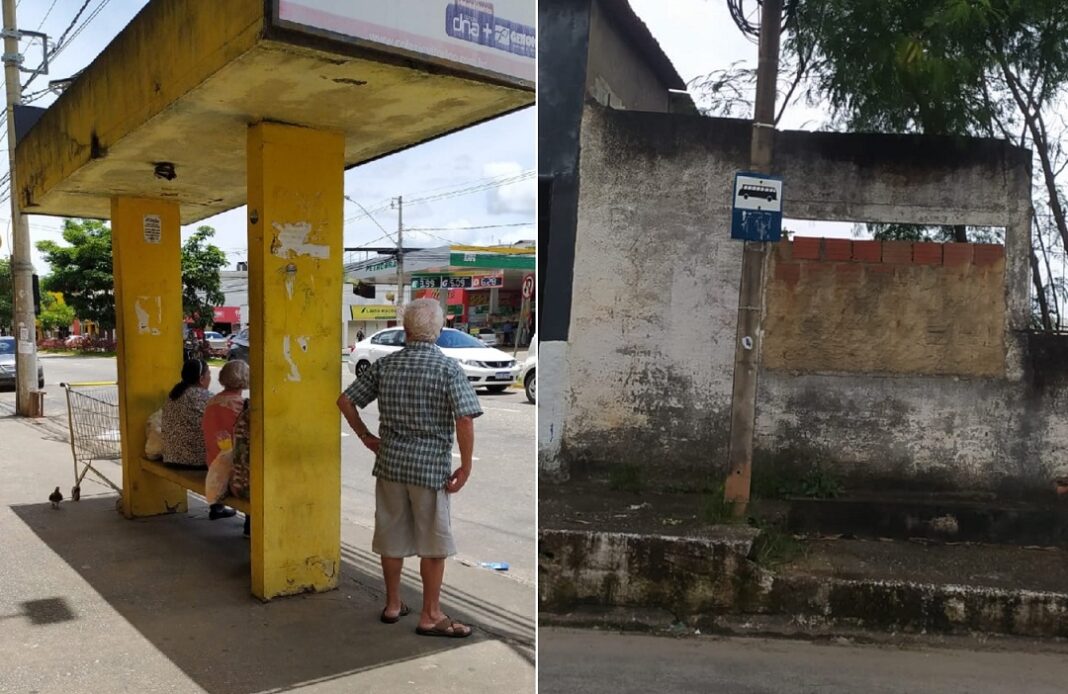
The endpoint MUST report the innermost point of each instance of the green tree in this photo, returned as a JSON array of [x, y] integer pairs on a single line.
[[55, 313], [81, 270], [6, 310], [201, 289]]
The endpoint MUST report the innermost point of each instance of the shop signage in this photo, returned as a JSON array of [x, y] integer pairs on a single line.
[[373, 312]]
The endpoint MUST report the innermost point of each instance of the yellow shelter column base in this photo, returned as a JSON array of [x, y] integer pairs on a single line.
[[146, 260], [295, 189]]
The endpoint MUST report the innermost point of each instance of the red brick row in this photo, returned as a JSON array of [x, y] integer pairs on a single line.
[[890, 252]]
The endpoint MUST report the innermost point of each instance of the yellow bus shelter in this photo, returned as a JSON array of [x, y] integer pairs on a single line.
[[198, 107]]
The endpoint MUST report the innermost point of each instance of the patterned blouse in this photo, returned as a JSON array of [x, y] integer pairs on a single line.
[[183, 439]]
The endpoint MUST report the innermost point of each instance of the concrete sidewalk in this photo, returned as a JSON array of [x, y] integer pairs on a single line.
[[93, 602]]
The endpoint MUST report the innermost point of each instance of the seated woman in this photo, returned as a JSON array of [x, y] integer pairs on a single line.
[[222, 409], [222, 412], [183, 440]]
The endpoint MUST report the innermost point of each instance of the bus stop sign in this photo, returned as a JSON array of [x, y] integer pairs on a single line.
[[756, 214]]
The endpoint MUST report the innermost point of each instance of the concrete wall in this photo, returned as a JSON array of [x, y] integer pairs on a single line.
[[886, 307], [649, 357], [618, 75]]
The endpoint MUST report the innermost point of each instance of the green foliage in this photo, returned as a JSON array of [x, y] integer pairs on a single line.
[[55, 313], [774, 547], [909, 65], [715, 509], [81, 270], [7, 314], [920, 232], [626, 478], [795, 472], [201, 290]]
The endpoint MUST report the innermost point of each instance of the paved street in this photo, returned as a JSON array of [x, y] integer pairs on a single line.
[[493, 517], [587, 662]]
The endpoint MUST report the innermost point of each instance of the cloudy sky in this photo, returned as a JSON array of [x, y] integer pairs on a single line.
[[448, 164]]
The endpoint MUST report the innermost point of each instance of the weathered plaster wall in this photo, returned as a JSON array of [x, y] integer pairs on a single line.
[[651, 336], [926, 433], [616, 65], [886, 307]]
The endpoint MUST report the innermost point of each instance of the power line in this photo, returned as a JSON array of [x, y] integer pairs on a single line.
[[63, 41], [473, 186], [367, 214], [45, 18], [484, 226], [441, 238], [475, 189], [70, 26], [88, 19]]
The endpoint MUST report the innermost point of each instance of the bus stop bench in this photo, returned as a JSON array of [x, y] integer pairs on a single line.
[[193, 480]]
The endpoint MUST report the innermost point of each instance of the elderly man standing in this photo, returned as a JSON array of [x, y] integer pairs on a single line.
[[422, 397]]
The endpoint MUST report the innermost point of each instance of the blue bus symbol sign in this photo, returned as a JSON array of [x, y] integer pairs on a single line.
[[756, 213]]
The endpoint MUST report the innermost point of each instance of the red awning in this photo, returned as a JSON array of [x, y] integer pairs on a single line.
[[227, 314]]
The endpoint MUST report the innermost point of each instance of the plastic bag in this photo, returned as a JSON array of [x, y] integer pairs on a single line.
[[217, 481], [154, 436]]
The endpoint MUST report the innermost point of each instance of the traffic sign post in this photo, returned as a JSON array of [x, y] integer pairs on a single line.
[[756, 214]]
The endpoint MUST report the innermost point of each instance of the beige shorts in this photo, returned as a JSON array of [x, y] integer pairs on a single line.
[[411, 521]]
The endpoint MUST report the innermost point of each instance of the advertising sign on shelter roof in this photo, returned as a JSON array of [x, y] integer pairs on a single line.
[[494, 37]]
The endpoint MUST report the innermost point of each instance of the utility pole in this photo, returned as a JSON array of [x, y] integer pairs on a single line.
[[21, 265], [749, 340], [399, 202]]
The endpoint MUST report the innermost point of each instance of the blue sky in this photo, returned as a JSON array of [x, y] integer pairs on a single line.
[[448, 163]]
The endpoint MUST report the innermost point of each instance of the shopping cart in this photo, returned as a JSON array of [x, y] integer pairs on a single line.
[[93, 412]]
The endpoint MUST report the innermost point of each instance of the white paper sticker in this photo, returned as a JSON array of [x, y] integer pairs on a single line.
[[153, 228], [25, 347], [24, 334]]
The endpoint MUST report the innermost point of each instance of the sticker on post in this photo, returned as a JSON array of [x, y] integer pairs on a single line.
[[153, 227], [756, 212], [25, 347]]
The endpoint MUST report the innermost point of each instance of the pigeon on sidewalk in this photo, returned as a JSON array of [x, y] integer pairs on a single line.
[[55, 497]]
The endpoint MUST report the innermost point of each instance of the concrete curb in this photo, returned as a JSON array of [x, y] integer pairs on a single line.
[[699, 581]]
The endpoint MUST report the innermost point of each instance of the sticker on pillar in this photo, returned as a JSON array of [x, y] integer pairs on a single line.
[[756, 213], [287, 352], [292, 240], [143, 310], [153, 228]]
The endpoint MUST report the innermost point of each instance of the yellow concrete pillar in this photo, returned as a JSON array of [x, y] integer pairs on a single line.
[[146, 259], [295, 188]]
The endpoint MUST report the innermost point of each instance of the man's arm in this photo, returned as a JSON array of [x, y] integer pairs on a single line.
[[352, 416], [465, 438]]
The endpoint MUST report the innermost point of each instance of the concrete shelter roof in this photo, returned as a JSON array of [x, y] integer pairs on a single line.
[[184, 80]]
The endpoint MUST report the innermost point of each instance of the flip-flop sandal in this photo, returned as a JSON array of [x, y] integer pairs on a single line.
[[447, 629], [393, 620]]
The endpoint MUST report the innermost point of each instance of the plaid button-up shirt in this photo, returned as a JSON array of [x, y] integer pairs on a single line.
[[420, 394]]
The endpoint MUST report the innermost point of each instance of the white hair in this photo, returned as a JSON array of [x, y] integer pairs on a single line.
[[423, 320]]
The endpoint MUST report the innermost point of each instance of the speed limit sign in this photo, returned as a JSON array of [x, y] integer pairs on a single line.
[[528, 286]]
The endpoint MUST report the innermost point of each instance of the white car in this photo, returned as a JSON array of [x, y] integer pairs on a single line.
[[216, 341], [485, 366], [528, 376]]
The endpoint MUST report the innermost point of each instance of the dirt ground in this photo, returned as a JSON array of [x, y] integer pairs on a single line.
[[595, 506]]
